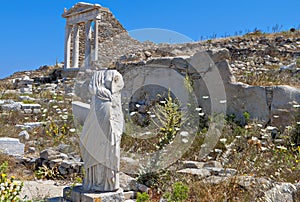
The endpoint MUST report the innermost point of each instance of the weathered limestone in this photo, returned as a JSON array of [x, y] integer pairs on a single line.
[[79, 14], [244, 98], [87, 54], [11, 146], [67, 47], [281, 192], [9, 105], [76, 194], [80, 111], [30, 108], [272, 105], [157, 77], [283, 106], [24, 85], [76, 46]]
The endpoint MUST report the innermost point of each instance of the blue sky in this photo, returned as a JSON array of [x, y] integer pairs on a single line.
[[32, 32]]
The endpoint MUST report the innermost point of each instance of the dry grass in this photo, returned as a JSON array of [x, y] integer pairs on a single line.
[[15, 168], [201, 191], [270, 78]]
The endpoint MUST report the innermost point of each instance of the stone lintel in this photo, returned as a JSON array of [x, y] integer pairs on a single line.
[[76, 194], [94, 15], [81, 7]]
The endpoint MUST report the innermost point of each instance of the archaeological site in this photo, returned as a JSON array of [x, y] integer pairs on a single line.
[[125, 120]]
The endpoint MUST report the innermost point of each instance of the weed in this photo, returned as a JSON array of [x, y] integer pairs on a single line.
[[28, 101], [143, 197], [179, 193], [246, 117], [57, 132], [169, 115], [4, 167], [44, 172]]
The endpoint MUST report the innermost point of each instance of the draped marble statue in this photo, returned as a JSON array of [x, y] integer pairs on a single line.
[[101, 133]]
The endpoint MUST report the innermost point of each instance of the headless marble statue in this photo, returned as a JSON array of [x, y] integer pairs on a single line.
[[101, 133]]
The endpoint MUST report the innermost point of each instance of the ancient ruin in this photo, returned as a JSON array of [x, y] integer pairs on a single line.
[[253, 78], [79, 17]]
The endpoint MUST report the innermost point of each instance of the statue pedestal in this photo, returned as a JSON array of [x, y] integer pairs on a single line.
[[76, 194]]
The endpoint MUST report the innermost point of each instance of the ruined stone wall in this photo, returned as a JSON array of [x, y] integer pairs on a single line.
[[268, 104], [234, 58]]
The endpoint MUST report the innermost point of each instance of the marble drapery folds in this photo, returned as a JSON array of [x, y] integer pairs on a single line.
[[101, 134]]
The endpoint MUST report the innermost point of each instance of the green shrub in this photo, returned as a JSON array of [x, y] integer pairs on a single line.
[[142, 197], [4, 167], [179, 193], [246, 117]]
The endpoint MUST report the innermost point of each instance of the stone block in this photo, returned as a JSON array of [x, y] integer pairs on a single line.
[[24, 134], [76, 194], [180, 63], [30, 106], [160, 62], [193, 164], [283, 111], [49, 154], [130, 195], [129, 165], [36, 111], [27, 111], [198, 173], [11, 146], [14, 106], [214, 164], [241, 98], [29, 125], [80, 111], [218, 55]]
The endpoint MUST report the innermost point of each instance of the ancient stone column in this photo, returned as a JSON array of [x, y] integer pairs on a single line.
[[75, 61], [67, 46], [96, 42], [87, 43]]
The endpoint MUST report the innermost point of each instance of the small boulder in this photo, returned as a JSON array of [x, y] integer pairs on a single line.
[[24, 135]]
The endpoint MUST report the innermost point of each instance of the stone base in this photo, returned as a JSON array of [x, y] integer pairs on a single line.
[[77, 194]]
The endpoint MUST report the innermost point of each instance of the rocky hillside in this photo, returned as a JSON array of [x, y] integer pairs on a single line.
[[252, 161], [255, 58]]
